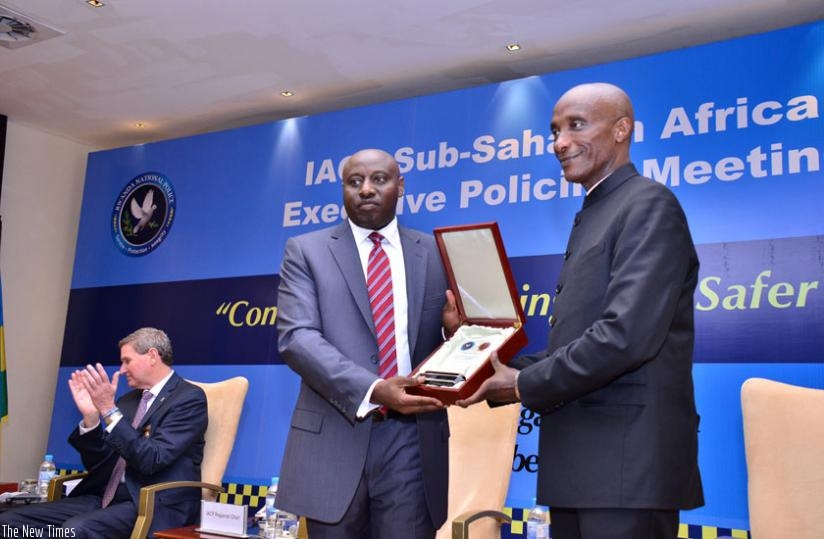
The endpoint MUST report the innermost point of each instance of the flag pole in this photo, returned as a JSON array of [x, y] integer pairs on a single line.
[[4, 393]]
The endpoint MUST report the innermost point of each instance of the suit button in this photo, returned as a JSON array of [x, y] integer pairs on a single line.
[[552, 320], [374, 359], [566, 254], [558, 289]]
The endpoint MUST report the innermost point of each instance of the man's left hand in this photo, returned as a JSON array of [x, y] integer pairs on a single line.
[[450, 317], [100, 389]]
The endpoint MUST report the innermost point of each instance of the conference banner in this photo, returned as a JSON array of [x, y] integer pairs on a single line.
[[188, 234]]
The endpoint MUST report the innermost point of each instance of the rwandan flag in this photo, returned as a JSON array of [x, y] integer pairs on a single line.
[[4, 394]]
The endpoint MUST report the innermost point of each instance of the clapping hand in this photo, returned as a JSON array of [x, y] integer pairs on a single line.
[[97, 389], [82, 400]]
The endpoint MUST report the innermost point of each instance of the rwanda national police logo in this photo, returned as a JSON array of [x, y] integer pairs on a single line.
[[143, 214]]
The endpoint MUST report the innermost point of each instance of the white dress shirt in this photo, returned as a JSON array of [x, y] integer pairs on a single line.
[[599, 182], [392, 247]]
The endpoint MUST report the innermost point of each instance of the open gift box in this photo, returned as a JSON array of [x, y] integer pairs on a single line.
[[492, 319]]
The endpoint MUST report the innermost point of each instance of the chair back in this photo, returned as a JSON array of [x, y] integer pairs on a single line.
[[784, 443], [225, 400], [481, 446]]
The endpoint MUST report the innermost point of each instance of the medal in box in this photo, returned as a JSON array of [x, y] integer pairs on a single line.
[[492, 319]]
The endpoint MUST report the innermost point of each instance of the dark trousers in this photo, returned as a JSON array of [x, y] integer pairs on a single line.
[[390, 502], [613, 523], [80, 517]]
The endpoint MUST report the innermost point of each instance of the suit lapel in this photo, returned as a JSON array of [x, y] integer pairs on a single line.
[[345, 252], [414, 260], [160, 400], [128, 404]]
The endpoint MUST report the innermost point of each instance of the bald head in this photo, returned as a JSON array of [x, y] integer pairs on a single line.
[[607, 98], [592, 124]]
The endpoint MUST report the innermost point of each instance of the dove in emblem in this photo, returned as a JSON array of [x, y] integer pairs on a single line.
[[143, 212]]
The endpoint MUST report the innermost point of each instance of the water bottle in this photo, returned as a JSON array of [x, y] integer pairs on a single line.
[[269, 524], [277, 524], [44, 476], [271, 495], [287, 525], [537, 522]]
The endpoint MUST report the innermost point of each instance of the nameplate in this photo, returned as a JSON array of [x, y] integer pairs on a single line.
[[223, 519]]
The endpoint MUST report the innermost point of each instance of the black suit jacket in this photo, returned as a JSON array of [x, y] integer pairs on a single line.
[[619, 428], [167, 445]]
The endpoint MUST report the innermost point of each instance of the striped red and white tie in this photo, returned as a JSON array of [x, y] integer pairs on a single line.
[[379, 285]]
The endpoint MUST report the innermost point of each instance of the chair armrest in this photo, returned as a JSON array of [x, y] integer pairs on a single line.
[[145, 509], [56, 484], [460, 524]]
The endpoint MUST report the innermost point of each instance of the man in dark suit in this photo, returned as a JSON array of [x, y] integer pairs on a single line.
[[364, 458], [619, 429], [154, 433]]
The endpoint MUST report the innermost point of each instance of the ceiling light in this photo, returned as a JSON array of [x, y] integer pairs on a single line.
[[287, 93], [140, 125], [95, 3], [512, 47]]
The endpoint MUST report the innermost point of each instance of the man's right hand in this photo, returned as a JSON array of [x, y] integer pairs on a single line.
[[392, 394], [83, 400], [501, 387]]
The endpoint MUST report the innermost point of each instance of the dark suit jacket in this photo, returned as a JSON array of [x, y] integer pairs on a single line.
[[619, 425], [167, 445], [326, 335]]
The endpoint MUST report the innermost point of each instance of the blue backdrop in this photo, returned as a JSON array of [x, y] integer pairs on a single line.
[[734, 128]]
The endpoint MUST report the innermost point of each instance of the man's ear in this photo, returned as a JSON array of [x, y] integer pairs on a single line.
[[400, 186], [623, 129]]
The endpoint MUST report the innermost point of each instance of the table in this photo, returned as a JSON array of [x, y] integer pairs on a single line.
[[188, 532], [5, 506]]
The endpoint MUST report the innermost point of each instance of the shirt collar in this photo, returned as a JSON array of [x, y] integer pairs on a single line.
[[389, 232], [599, 182], [155, 389]]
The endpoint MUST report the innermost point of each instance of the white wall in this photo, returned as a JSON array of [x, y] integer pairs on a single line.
[[42, 190]]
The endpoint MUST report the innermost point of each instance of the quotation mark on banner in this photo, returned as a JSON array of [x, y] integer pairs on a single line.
[[240, 313]]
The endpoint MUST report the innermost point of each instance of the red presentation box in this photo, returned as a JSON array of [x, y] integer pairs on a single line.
[[491, 315]]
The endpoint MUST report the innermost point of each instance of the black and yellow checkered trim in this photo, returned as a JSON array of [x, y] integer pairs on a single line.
[[517, 528], [66, 471], [239, 494], [694, 531]]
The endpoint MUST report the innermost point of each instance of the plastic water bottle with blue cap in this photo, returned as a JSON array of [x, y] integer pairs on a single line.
[[44, 476], [537, 522]]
